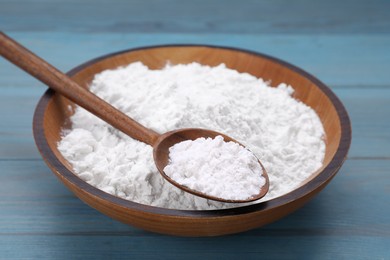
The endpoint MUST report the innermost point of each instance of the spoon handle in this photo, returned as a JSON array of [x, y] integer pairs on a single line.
[[52, 77]]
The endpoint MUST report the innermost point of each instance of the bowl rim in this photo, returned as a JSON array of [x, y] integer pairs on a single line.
[[325, 175]]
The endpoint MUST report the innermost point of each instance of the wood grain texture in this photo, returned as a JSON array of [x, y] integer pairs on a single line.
[[338, 60], [196, 17], [343, 43]]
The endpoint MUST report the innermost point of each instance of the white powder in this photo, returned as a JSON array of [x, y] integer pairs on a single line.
[[285, 134], [217, 168]]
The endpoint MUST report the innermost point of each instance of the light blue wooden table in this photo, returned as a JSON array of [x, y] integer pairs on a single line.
[[346, 44]]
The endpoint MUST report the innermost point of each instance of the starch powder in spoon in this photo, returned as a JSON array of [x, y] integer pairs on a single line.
[[216, 168], [285, 134]]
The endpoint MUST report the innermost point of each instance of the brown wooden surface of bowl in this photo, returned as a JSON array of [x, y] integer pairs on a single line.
[[53, 112]]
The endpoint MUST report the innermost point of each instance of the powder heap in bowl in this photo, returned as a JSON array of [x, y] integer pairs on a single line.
[[285, 134]]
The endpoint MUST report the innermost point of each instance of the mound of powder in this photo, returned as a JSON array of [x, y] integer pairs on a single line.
[[285, 134], [216, 168]]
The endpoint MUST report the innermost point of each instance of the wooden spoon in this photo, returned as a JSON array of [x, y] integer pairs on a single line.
[[43, 71]]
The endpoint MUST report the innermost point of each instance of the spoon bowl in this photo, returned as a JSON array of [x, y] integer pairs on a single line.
[[167, 140], [64, 85]]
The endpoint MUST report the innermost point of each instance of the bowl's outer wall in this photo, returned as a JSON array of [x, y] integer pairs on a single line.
[[53, 112]]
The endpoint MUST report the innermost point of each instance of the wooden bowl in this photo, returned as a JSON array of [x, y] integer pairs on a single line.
[[52, 114]]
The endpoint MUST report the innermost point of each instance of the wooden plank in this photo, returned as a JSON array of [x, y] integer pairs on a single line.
[[16, 111], [40, 218], [337, 60], [367, 107], [162, 247], [369, 112], [201, 16]]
